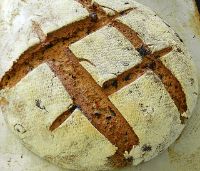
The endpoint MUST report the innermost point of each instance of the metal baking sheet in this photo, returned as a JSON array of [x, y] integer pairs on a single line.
[[183, 155]]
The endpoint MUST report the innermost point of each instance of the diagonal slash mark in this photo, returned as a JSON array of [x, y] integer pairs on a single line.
[[90, 98], [118, 135], [60, 119], [113, 85]]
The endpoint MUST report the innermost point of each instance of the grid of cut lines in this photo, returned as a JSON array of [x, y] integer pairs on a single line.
[[150, 61]]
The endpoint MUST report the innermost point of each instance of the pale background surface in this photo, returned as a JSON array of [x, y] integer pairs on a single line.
[[183, 155]]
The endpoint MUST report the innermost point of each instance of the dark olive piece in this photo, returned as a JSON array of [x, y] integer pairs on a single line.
[[128, 77], [94, 17], [115, 83], [143, 51]]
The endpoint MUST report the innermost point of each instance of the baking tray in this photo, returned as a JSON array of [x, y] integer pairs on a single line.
[[183, 155]]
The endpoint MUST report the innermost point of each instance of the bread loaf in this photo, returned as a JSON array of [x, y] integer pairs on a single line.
[[93, 85]]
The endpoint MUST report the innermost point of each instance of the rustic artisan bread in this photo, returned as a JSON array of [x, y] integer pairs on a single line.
[[93, 85]]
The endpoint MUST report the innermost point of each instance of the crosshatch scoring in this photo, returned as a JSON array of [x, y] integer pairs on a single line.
[[105, 117], [150, 61]]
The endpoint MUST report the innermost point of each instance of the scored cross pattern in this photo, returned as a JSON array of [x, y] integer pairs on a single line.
[[124, 139], [92, 99]]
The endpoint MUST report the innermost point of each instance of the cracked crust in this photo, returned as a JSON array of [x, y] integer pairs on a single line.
[[144, 102]]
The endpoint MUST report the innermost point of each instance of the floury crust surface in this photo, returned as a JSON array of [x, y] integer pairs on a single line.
[[40, 97]]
